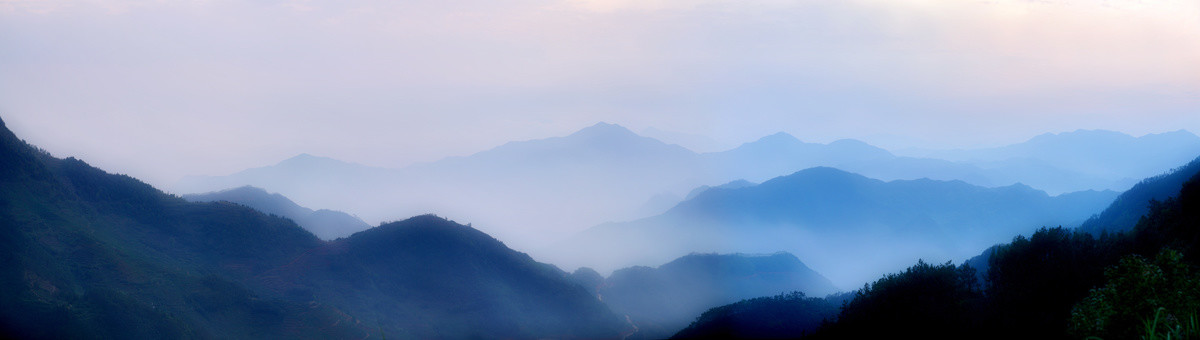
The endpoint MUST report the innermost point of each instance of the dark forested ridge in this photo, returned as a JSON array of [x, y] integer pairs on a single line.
[[94, 255], [780, 316], [1055, 283], [1131, 205], [427, 277]]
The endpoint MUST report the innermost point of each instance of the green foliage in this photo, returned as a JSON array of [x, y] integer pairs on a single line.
[[1034, 281], [1161, 294]]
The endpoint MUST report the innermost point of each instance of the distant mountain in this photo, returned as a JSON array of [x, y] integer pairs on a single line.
[[741, 183], [325, 224], [532, 193], [661, 301], [782, 153], [1096, 156], [613, 170], [694, 142], [828, 217], [93, 255]]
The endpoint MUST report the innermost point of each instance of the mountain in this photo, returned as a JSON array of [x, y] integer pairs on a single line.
[[428, 277], [309, 180], [694, 142], [782, 153], [828, 217], [94, 255], [661, 301], [500, 188], [1056, 283], [1097, 158], [536, 192], [781, 316], [1124, 213], [741, 183], [325, 224]]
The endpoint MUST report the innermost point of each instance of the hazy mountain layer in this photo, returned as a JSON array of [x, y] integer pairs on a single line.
[[846, 226], [1069, 161], [325, 224], [533, 192], [661, 301], [1055, 283]]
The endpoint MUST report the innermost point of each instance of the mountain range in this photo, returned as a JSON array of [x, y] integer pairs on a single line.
[[1126, 282], [94, 255], [831, 217], [612, 174]]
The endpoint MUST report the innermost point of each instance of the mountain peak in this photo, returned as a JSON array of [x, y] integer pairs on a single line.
[[603, 129], [779, 137], [772, 142]]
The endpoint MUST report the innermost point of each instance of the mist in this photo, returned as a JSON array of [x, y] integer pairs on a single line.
[[585, 168]]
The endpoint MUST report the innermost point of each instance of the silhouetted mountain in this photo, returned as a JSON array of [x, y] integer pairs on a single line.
[[621, 176], [781, 316], [427, 277], [661, 301], [93, 255], [831, 216], [325, 224], [1124, 213]]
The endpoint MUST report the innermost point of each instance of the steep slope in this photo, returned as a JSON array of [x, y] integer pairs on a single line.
[[325, 224], [829, 217], [427, 277], [663, 300], [94, 255]]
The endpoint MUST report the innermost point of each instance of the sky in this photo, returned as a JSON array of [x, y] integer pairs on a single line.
[[164, 89]]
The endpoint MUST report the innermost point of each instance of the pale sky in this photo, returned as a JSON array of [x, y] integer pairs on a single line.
[[163, 89]]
